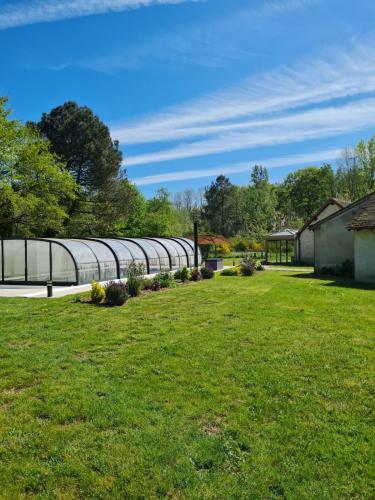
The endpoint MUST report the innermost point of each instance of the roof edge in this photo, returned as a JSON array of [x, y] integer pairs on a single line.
[[343, 210]]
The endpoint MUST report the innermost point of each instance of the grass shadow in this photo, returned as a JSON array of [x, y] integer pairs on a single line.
[[335, 281]]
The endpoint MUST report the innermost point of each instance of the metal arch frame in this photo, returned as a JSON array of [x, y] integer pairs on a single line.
[[186, 240], [26, 281], [141, 238], [165, 248], [91, 250], [111, 249], [140, 246], [176, 240]]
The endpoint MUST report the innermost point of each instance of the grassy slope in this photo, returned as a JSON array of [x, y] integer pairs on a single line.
[[232, 388]]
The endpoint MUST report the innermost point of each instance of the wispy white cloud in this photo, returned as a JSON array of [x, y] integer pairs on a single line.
[[15, 14], [342, 75], [308, 125], [208, 43], [284, 161]]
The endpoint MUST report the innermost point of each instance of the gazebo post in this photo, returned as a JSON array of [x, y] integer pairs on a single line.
[[287, 251]]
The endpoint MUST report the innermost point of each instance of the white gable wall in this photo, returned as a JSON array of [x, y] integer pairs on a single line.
[[305, 243], [333, 242]]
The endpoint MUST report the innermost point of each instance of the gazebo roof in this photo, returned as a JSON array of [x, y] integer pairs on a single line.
[[286, 234]]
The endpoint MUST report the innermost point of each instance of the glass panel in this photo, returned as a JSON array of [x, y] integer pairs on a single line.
[[188, 249], [14, 260], [153, 257], [173, 252], [107, 261], [84, 257], [191, 244], [162, 252], [125, 254], [134, 250], [183, 260], [38, 261], [63, 269]]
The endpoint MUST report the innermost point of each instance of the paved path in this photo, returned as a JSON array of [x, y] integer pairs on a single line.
[[294, 269], [40, 292]]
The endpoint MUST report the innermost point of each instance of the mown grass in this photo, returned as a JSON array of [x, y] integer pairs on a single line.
[[257, 387]]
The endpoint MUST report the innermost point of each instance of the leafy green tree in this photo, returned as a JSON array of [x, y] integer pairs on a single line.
[[159, 216], [259, 175], [304, 191], [117, 210], [34, 185], [84, 143], [220, 207]]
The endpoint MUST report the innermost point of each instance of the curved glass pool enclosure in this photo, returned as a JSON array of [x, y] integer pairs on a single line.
[[79, 261]]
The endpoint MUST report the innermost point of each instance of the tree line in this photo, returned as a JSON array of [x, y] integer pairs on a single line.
[[63, 176]]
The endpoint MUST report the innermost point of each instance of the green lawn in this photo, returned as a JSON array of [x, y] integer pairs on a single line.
[[236, 388]]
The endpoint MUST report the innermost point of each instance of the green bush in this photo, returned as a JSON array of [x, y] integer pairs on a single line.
[[116, 293], [147, 284], [260, 267], [248, 267], [155, 287], [182, 274], [207, 274], [135, 274], [134, 286], [97, 292], [166, 279], [229, 272], [195, 275]]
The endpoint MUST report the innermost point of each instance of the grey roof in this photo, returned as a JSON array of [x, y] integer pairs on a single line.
[[330, 201], [286, 234], [366, 218], [361, 201]]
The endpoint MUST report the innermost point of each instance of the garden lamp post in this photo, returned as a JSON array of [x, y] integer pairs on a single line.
[[196, 262]]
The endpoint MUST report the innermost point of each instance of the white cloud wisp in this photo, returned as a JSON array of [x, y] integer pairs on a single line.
[[23, 13], [284, 161]]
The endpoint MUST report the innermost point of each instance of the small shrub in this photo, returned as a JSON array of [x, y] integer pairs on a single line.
[[135, 274], [248, 267], [229, 272], [207, 274], [147, 284], [155, 287], [116, 294], [260, 267], [134, 286], [97, 292], [182, 274], [195, 275], [135, 270], [166, 279]]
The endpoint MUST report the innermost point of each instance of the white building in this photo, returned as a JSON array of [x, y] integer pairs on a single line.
[[347, 236], [304, 243]]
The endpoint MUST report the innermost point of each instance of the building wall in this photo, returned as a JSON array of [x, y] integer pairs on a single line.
[[364, 252], [305, 244], [333, 242]]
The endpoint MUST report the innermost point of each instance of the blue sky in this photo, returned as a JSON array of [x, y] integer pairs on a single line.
[[193, 89]]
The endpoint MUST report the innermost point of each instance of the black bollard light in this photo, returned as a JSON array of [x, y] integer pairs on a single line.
[[49, 289], [196, 262]]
